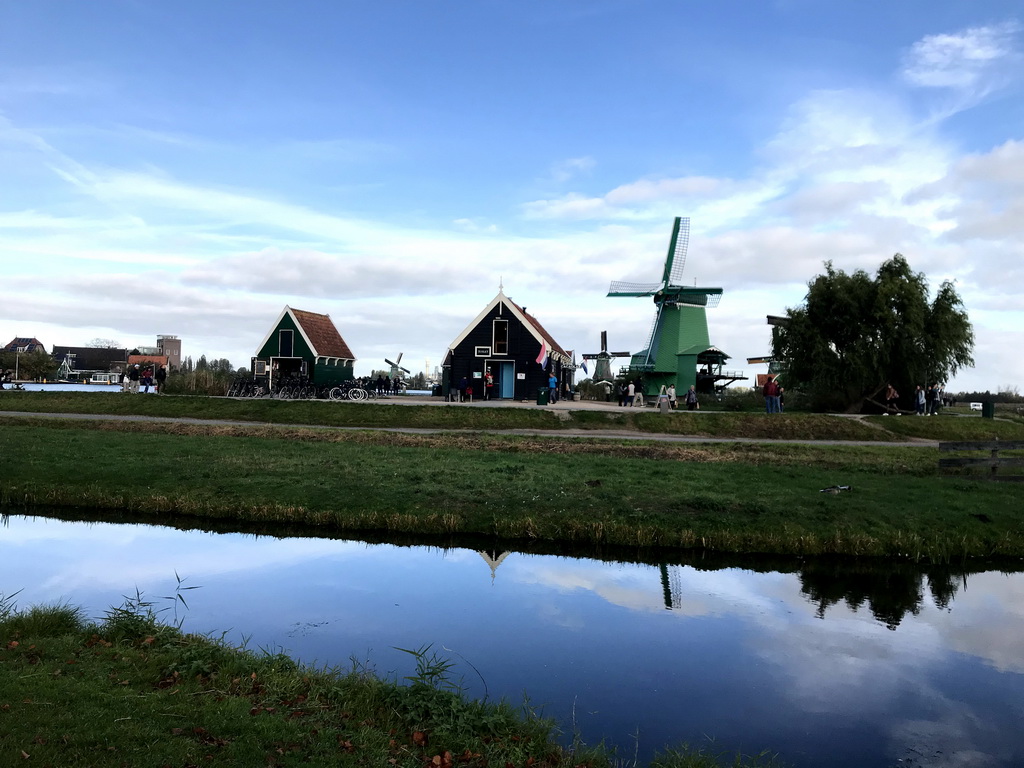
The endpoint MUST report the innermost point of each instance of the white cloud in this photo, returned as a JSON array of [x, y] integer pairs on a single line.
[[960, 60]]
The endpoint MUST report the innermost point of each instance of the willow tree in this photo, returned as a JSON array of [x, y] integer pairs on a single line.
[[855, 333]]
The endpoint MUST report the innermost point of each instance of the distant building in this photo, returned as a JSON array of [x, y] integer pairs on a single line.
[[513, 346], [170, 347], [90, 359], [24, 344], [307, 344]]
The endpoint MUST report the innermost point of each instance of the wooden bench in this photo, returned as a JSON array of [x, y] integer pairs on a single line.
[[993, 461]]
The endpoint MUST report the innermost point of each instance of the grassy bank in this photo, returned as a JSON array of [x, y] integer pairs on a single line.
[[441, 416], [130, 691], [737, 497], [434, 414]]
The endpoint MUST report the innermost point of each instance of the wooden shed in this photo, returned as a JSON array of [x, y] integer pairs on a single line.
[[510, 344], [306, 344]]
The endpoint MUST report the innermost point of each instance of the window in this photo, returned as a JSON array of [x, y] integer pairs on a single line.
[[501, 337], [483, 351], [285, 343]]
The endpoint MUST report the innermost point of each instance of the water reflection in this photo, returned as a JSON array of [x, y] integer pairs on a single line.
[[844, 663]]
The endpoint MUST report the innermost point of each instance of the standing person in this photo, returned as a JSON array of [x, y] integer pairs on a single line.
[[919, 400], [782, 399], [770, 391], [488, 385], [933, 399], [463, 383], [692, 403], [891, 396], [147, 380], [552, 388], [623, 391], [134, 374], [630, 394], [161, 379], [672, 396]]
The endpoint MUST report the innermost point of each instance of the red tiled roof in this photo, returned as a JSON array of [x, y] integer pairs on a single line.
[[323, 335], [143, 359]]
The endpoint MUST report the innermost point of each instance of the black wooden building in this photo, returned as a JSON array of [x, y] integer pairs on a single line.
[[513, 346]]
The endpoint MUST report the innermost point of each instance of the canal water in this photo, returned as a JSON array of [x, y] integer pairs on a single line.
[[848, 664]]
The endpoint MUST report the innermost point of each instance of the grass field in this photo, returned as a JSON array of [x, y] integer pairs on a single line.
[[734, 497]]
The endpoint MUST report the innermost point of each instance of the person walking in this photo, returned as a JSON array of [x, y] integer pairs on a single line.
[[891, 396], [630, 394], [692, 403], [161, 379], [919, 400], [552, 389], [638, 394], [672, 396]]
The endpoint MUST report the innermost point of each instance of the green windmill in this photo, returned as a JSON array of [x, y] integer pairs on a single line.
[[678, 342]]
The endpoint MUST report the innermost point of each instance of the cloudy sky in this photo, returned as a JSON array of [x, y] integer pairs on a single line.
[[190, 168]]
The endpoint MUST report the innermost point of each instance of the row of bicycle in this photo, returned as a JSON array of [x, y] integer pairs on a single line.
[[301, 388]]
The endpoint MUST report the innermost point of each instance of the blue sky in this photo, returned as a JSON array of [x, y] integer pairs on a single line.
[[190, 168]]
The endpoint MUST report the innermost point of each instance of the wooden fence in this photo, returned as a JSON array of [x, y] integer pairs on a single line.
[[993, 462]]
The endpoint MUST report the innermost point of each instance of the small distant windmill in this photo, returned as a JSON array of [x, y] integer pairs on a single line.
[[679, 332], [396, 366], [603, 365]]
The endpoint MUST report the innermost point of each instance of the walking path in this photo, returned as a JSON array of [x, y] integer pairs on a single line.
[[589, 434]]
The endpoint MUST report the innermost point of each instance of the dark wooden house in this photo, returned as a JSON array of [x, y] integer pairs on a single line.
[[74, 361], [513, 346], [307, 344]]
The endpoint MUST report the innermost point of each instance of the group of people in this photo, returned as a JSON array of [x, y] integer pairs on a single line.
[[631, 393], [774, 396], [138, 379], [927, 400], [463, 392], [387, 385]]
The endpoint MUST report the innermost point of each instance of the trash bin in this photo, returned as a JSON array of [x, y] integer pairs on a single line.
[[542, 396], [988, 410]]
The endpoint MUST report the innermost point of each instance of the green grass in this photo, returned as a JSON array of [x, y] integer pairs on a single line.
[[131, 691], [446, 417], [734, 497]]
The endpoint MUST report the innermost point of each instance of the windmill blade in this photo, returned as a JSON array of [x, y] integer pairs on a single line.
[[675, 261], [620, 354], [695, 297], [604, 341], [405, 370], [624, 288], [399, 360], [393, 365]]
